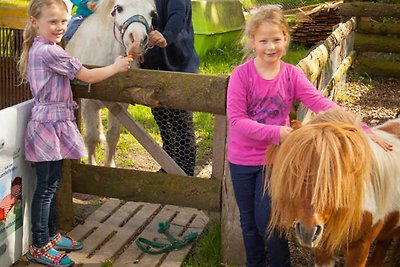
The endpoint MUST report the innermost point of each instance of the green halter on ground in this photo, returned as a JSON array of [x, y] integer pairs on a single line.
[[153, 247]]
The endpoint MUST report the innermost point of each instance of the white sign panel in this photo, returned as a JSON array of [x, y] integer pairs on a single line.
[[17, 183]]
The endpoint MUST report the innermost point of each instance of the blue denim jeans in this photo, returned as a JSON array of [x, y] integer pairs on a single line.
[[43, 219], [254, 209], [73, 26]]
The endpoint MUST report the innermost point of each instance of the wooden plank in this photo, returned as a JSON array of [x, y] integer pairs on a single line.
[[378, 28], [132, 255], [125, 233], [175, 258], [65, 212], [336, 77], [369, 10], [152, 187], [177, 90], [94, 219], [377, 67], [137, 130], [376, 43], [219, 146], [105, 230], [232, 246], [176, 229]]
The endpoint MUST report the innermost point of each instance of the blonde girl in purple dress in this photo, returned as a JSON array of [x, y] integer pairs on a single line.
[[52, 134]]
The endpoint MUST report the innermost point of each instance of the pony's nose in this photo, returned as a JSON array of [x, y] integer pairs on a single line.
[[144, 43], [308, 236]]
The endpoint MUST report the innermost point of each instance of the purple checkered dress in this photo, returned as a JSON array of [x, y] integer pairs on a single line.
[[52, 133]]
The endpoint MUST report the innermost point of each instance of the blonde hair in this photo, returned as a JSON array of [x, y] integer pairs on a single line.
[[34, 10], [267, 13]]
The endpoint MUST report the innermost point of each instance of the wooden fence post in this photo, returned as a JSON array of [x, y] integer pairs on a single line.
[[65, 212], [233, 251]]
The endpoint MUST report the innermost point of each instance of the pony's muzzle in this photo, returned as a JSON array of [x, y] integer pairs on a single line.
[[308, 236]]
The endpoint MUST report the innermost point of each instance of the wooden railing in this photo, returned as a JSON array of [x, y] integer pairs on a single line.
[[377, 31], [195, 92]]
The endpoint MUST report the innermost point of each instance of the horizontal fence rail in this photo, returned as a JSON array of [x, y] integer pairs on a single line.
[[187, 91]]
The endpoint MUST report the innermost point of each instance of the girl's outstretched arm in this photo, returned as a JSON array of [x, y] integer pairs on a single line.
[[121, 64]]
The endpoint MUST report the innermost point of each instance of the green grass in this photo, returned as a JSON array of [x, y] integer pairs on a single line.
[[207, 249]]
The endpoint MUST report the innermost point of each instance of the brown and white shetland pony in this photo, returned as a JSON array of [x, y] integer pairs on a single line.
[[339, 189]]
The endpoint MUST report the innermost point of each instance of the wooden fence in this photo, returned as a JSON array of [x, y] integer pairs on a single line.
[[377, 36], [11, 91]]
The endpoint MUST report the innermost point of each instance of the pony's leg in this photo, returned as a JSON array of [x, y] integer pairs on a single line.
[[93, 127], [112, 137], [323, 259], [378, 256]]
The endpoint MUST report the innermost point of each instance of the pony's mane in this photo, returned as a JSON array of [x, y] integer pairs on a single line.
[[329, 159], [104, 7]]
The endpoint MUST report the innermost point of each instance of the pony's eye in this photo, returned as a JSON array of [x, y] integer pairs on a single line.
[[116, 8]]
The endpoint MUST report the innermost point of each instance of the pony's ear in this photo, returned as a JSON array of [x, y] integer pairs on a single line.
[[296, 124]]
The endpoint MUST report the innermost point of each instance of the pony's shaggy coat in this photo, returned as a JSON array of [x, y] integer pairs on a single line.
[[346, 175]]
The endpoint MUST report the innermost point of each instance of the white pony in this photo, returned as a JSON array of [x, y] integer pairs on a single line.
[[117, 27]]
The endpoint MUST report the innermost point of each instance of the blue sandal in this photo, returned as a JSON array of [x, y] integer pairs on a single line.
[[48, 256], [66, 243]]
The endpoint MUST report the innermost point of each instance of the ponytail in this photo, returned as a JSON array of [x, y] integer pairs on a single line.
[[22, 65]]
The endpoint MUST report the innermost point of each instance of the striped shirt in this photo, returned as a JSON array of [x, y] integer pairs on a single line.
[[52, 133]]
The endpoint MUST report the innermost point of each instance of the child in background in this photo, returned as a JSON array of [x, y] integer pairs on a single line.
[[173, 41], [84, 9], [260, 96], [52, 134]]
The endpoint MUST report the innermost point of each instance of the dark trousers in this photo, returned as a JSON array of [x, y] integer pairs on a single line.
[[177, 134], [43, 219], [254, 209]]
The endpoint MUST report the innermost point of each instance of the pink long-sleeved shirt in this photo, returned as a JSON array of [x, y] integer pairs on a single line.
[[257, 107]]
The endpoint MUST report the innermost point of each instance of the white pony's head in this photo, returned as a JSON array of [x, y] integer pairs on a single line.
[[117, 27], [133, 21]]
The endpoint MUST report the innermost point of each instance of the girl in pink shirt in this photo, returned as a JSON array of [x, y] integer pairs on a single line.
[[52, 134], [261, 93]]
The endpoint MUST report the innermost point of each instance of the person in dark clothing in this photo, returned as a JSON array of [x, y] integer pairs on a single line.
[[173, 41]]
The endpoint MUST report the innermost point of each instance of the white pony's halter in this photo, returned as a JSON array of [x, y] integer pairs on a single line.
[[122, 28]]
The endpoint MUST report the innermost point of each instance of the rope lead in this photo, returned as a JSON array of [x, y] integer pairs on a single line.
[[154, 248]]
